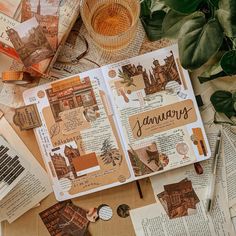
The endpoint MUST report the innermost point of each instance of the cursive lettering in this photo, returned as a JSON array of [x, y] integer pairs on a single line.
[[164, 116]]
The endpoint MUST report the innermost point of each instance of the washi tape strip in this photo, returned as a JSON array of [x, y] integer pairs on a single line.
[[16, 77]]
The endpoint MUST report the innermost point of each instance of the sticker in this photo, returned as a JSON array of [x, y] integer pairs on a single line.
[[173, 88], [27, 117], [92, 215], [121, 179], [112, 73], [182, 149], [201, 145], [123, 210], [105, 212], [41, 94], [65, 184], [182, 95]]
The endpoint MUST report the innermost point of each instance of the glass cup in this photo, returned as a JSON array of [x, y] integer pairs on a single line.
[[112, 24]]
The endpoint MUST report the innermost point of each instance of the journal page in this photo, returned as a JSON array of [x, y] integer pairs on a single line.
[[156, 111], [78, 138]]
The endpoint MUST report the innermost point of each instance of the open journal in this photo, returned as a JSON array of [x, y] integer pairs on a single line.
[[119, 123]]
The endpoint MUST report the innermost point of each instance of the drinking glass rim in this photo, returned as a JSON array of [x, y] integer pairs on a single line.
[[90, 28]]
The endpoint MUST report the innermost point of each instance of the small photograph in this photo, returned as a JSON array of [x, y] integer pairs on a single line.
[[147, 159], [73, 220], [51, 217], [46, 12], [30, 42], [152, 80], [64, 219], [179, 199], [69, 163], [79, 95]]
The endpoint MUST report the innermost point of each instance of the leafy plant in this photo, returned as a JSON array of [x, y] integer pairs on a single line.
[[224, 102], [205, 29]]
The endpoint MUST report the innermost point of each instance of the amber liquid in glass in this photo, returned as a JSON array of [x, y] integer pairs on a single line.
[[111, 19]]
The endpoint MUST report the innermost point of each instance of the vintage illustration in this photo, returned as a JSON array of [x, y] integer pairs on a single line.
[[152, 81], [65, 218], [80, 95], [69, 163], [46, 12], [30, 42], [109, 154], [179, 199], [147, 160]]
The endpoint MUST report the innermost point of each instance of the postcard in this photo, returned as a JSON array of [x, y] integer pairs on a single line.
[[65, 219], [47, 14], [30, 42], [179, 199]]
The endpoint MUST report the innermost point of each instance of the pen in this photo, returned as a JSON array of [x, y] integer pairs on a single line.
[[211, 193]]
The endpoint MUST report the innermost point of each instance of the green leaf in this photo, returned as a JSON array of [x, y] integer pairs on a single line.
[[183, 6], [234, 96], [173, 22], [153, 25], [228, 62], [145, 8], [211, 73], [235, 106], [227, 16], [199, 41], [223, 102]]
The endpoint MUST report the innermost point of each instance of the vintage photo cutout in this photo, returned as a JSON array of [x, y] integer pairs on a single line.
[[68, 162], [73, 220], [9, 7], [51, 218], [47, 14], [109, 154], [30, 42], [179, 199], [65, 219], [80, 95], [147, 159], [135, 77]]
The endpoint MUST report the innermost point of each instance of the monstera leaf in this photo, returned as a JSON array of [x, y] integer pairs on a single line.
[[183, 6], [223, 102], [228, 62], [227, 16], [172, 23], [153, 25], [199, 41]]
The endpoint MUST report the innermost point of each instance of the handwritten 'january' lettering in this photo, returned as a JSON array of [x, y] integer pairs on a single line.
[[164, 116]]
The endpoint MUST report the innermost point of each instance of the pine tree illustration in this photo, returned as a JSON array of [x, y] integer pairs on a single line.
[[109, 153]]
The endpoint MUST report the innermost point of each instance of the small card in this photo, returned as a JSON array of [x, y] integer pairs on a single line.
[[27, 117], [30, 42], [65, 219], [179, 199]]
